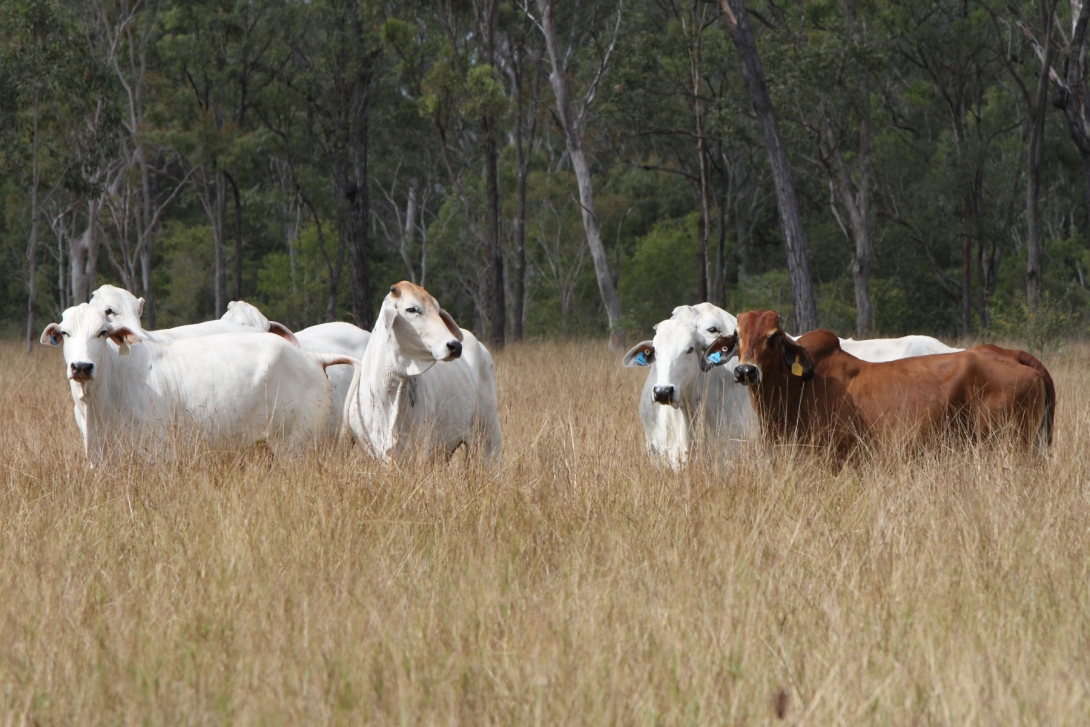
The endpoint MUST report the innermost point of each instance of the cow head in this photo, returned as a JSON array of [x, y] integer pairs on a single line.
[[83, 332], [245, 314], [709, 321], [765, 351], [676, 352], [425, 333], [119, 306]]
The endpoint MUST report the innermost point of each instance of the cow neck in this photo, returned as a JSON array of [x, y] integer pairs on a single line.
[[116, 400], [777, 405], [384, 391]]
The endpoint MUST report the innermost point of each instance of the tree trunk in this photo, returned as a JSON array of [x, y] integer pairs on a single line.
[[966, 266], [719, 289], [219, 225], [83, 257], [701, 155], [495, 245], [574, 139], [734, 12], [32, 237], [238, 235], [358, 212], [518, 293], [1033, 163]]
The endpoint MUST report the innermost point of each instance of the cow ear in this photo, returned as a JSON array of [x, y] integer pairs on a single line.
[[642, 354], [51, 336], [123, 336], [451, 325], [279, 329], [721, 351], [796, 359], [139, 307], [386, 317]]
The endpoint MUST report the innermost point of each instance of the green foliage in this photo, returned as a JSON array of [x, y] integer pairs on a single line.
[[661, 273]]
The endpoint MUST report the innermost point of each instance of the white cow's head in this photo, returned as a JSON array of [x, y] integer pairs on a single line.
[[709, 321], [119, 306], [83, 331], [245, 314], [425, 333], [676, 351]]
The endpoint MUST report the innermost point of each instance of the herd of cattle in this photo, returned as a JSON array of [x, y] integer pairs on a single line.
[[418, 382]]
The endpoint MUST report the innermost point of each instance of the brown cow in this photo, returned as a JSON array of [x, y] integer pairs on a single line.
[[812, 391]]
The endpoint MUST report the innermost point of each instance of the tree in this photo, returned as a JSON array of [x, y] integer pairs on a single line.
[[798, 265]]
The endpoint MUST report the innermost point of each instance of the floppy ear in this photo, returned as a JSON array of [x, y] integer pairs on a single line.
[[721, 351], [386, 317], [122, 336], [51, 336], [642, 354], [451, 325], [139, 307], [796, 359], [279, 329]]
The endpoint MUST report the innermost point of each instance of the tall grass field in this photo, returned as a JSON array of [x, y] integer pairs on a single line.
[[576, 584]]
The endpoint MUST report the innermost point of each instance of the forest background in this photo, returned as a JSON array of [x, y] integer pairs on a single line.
[[551, 168]]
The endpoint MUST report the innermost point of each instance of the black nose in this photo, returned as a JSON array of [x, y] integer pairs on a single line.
[[82, 371], [746, 374], [455, 348], [662, 394]]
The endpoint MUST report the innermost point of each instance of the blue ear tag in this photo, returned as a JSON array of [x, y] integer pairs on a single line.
[[715, 357], [52, 339], [640, 360]]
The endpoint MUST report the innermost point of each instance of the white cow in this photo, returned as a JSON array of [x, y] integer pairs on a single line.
[[342, 338], [402, 400], [225, 388], [121, 306], [676, 392], [877, 350]]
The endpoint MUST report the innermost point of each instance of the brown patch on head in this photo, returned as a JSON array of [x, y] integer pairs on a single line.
[[754, 328]]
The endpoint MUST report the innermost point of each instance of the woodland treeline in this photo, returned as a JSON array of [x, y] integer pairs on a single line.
[[551, 167]]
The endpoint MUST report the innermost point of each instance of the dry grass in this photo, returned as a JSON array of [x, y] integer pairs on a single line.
[[577, 585]]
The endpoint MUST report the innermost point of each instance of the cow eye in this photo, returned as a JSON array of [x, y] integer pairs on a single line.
[[713, 329], [64, 333], [690, 350], [412, 309], [102, 334], [110, 312]]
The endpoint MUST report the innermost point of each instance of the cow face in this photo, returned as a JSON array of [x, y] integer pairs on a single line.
[[676, 352], [83, 331], [119, 306], [765, 352], [425, 332]]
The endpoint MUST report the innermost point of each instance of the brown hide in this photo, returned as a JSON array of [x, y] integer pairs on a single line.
[[912, 402]]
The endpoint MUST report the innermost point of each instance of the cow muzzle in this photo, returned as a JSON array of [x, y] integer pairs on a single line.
[[663, 394], [747, 374], [455, 349], [81, 371]]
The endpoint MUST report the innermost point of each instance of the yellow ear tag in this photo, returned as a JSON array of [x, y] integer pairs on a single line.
[[796, 368], [123, 349]]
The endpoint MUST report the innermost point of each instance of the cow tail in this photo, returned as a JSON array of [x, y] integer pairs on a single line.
[[325, 360], [1045, 431]]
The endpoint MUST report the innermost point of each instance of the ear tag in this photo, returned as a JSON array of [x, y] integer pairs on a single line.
[[640, 359], [123, 349], [52, 340], [715, 357], [796, 368]]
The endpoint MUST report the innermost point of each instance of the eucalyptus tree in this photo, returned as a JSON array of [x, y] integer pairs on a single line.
[[735, 15], [580, 23]]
